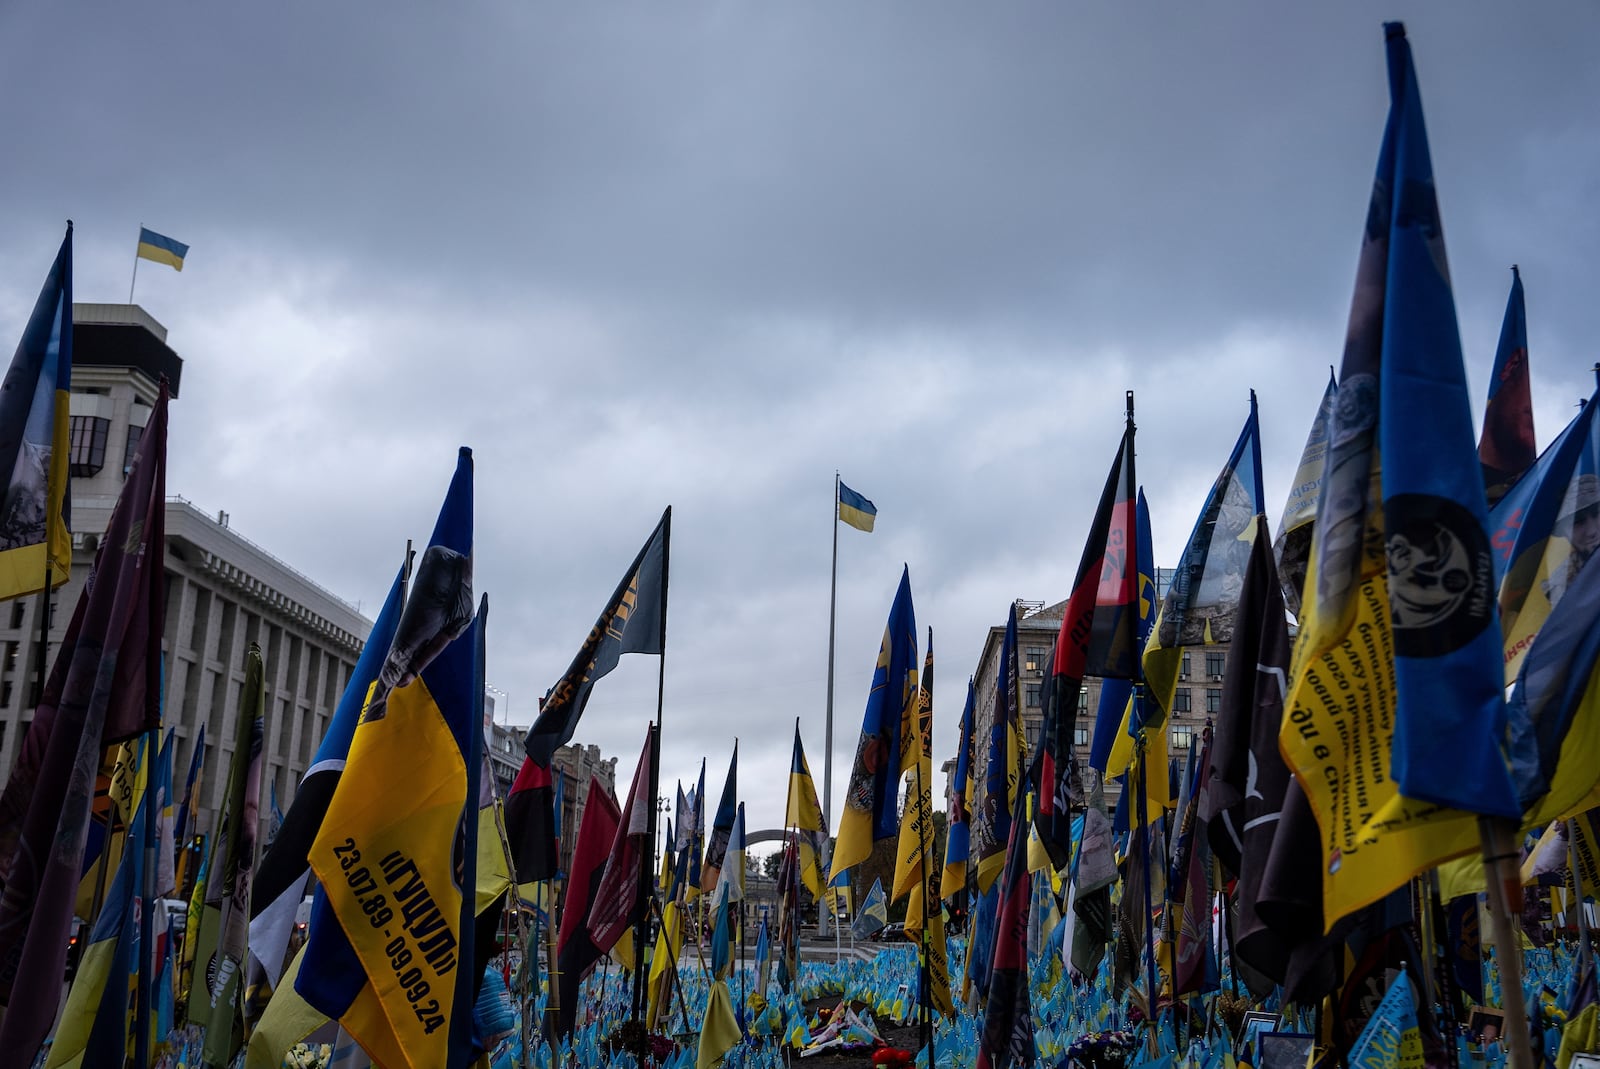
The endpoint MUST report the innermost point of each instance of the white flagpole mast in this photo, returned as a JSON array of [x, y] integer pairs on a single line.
[[135, 277], [823, 911]]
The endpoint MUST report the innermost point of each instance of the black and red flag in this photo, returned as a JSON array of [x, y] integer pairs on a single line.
[[576, 953], [1006, 1039], [531, 823], [1099, 637]]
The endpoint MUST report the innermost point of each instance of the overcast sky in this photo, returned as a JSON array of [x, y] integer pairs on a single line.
[[706, 254]]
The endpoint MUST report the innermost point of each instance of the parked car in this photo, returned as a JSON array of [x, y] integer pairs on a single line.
[[893, 932]]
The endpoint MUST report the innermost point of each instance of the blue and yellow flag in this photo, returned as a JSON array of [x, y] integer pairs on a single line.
[[1292, 547], [873, 915], [95, 1024], [1397, 633], [1122, 714], [856, 510], [390, 949], [1435, 518], [1391, 1039], [1506, 448], [35, 512], [161, 249], [1202, 603], [721, 825], [871, 803], [1003, 767], [724, 900], [1545, 531], [958, 824], [804, 813]]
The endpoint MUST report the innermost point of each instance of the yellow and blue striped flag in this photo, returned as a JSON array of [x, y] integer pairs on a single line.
[[161, 249], [856, 510], [35, 510]]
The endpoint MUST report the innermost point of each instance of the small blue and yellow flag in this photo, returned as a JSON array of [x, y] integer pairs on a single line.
[[161, 249], [856, 510]]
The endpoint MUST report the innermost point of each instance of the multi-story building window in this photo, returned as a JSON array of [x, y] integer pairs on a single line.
[[1080, 735], [1033, 658], [1180, 700], [1032, 696], [135, 433], [87, 436], [1182, 734], [1083, 700], [1213, 701], [1215, 663], [1183, 673]]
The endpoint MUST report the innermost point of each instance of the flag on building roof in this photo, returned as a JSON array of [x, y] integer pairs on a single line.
[[161, 249], [409, 795], [1506, 448], [36, 506], [871, 803], [633, 621], [112, 649], [856, 510]]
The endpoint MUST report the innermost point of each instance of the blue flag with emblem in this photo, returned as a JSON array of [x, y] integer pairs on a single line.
[[1448, 680]]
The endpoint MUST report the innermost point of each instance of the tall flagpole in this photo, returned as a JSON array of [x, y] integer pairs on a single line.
[[827, 743], [833, 605], [647, 860], [135, 277]]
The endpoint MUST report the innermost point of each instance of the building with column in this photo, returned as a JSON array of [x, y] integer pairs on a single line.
[[223, 591], [1197, 700]]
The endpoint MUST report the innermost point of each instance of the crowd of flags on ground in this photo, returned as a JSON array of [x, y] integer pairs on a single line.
[[1411, 672]]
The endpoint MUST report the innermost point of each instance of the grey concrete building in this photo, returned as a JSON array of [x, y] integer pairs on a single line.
[[223, 591]]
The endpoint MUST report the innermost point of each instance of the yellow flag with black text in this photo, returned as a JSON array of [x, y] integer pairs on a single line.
[[397, 853]]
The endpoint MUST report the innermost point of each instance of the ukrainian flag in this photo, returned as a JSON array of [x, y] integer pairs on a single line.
[[35, 512], [856, 510], [390, 953], [805, 813], [161, 249]]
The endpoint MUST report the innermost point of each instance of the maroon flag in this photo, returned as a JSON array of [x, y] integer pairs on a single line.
[[1006, 1039], [531, 824], [1191, 967], [104, 687], [1099, 637], [576, 953], [617, 901]]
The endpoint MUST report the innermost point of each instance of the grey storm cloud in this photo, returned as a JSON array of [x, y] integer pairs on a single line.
[[707, 254]]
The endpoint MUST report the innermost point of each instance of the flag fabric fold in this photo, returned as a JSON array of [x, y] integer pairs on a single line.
[[1202, 604], [803, 813], [856, 510], [390, 949], [576, 953], [1002, 780], [1292, 547], [103, 687], [721, 825], [1397, 637], [1506, 447], [870, 809], [617, 900], [35, 504], [958, 821], [633, 621]]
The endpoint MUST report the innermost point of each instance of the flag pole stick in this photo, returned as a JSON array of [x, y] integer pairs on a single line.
[[1504, 881], [135, 277], [823, 915]]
